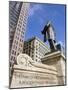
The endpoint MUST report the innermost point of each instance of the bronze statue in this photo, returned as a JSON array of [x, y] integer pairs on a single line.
[[49, 34]]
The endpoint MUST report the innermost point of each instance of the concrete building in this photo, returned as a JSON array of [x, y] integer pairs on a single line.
[[18, 14], [35, 48]]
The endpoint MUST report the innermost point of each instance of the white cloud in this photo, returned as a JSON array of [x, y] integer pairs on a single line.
[[59, 43], [34, 8]]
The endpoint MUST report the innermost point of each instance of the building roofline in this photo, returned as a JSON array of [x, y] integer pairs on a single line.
[[33, 38]]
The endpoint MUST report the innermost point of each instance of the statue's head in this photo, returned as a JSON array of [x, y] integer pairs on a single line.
[[48, 23], [46, 27]]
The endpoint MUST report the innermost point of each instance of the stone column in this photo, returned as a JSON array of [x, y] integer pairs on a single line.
[[56, 59]]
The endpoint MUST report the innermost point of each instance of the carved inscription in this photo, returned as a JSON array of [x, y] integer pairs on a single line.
[[34, 79]]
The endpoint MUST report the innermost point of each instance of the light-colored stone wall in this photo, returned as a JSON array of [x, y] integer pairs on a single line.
[[32, 74], [33, 78]]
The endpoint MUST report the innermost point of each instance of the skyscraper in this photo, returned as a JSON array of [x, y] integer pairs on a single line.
[[18, 14], [35, 48]]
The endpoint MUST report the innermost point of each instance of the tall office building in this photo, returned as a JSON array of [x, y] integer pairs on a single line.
[[18, 14], [35, 48]]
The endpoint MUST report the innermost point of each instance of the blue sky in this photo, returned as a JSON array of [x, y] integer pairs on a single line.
[[40, 14]]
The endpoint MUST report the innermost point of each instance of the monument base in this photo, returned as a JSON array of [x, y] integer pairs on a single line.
[[56, 59], [33, 74]]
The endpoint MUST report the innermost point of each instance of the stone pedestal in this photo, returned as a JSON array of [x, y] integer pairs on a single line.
[[56, 59], [32, 74]]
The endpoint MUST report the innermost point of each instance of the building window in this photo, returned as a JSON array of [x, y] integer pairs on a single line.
[[20, 18], [19, 26], [36, 55], [24, 25], [36, 52], [14, 58], [20, 40], [16, 47], [12, 51], [20, 22], [16, 37], [23, 29], [36, 59], [22, 32], [17, 53], [11, 57]]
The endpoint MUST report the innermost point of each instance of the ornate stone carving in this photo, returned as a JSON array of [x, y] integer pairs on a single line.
[[23, 59]]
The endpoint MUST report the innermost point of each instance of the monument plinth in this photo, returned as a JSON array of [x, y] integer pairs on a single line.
[[32, 74], [56, 59]]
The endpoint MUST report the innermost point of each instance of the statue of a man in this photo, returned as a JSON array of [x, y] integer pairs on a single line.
[[49, 34]]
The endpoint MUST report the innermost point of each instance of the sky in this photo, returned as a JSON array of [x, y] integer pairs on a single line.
[[40, 14]]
